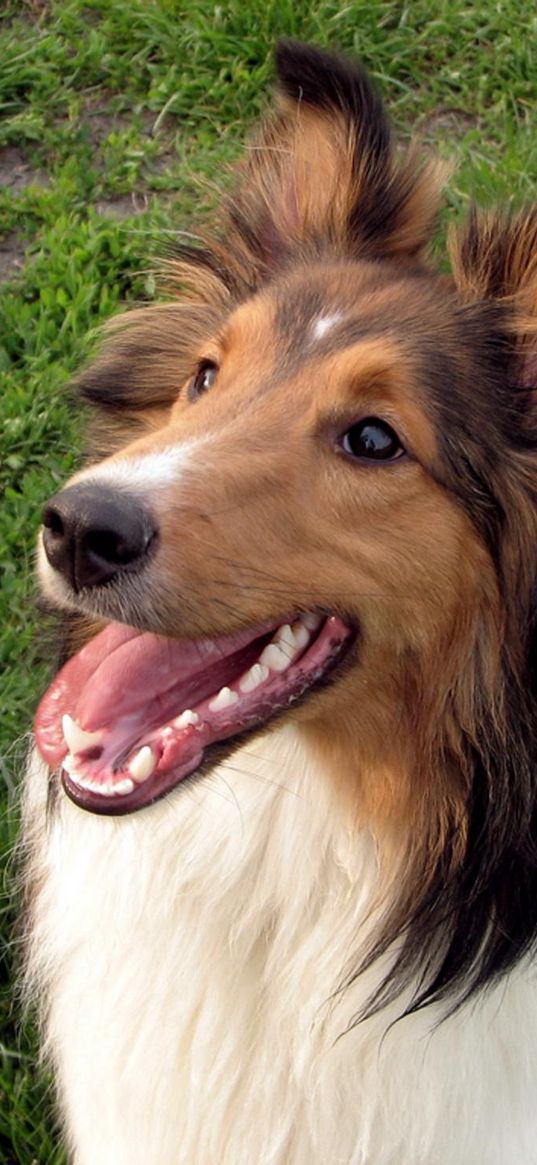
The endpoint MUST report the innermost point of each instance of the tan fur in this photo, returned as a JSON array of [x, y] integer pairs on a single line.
[[281, 181]]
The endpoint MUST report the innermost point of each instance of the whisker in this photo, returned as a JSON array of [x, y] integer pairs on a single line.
[[260, 778]]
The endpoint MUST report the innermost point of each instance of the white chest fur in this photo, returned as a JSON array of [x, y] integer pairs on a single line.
[[188, 956]]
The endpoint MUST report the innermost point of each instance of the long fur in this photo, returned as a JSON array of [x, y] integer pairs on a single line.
[[322, 951]]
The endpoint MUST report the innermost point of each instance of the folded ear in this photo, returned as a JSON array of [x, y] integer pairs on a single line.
[[324, 173], [494, 258]]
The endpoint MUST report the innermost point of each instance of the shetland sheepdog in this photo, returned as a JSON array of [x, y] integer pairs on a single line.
[[282, 817]]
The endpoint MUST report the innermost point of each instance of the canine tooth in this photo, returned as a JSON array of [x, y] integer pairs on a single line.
[[76, 738], [69, 764], [141, 765], [274, 658], [186, 719], [123, 787], [251, 679], [225, 698]]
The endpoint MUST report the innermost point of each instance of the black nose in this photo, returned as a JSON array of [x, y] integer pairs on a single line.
[[93, 533]]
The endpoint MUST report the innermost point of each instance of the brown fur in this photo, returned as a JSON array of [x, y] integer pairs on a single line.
[[278, 520]]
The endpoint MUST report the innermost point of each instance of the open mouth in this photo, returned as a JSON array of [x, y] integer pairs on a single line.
[[133, 714]]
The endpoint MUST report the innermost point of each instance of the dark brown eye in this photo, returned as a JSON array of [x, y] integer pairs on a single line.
[[203, 379], [372, 440]]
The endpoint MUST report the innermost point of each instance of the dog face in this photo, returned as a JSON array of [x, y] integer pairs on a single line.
[[324, 449], [299, 470], [303, 450]]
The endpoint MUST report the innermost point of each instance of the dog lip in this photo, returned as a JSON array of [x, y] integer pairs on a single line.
[[194, 745]]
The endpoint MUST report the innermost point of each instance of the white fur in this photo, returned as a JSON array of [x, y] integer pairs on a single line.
[[52, 582], [189, 955], [146, 472], [324, 324]]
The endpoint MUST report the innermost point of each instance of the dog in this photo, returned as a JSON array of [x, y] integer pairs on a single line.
[[281, 818]]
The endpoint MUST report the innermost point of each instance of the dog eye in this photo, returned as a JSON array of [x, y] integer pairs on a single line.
[[203, 379], [372, 440]]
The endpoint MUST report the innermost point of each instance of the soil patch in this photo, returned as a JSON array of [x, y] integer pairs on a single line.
[[11, 257], [16, 173], [447, 123], [124, 206]]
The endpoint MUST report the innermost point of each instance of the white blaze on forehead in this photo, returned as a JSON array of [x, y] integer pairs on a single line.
[[323, 324], [146, 471]]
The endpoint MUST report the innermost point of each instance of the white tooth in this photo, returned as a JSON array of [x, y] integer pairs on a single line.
[[301, 634], [274, 658], [86, 783], [69, 764], [123, 787], [141, 765], [285, 639], [76, 738], [225, 698], [186, 719], [311, 621], [93, 786], [106, 787], [251, 679]]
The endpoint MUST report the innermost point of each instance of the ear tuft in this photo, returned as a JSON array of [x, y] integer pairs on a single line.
[[494, 258], [323, 175], [328, 81]]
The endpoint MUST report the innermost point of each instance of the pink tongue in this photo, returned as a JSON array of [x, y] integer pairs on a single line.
[[118, 673], [142, 667]]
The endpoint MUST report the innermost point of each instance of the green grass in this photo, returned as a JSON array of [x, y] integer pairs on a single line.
[[149, 99]]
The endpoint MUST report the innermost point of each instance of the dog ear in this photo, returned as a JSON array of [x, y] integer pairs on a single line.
[[494, 265], [494, 259], [323, 174]]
